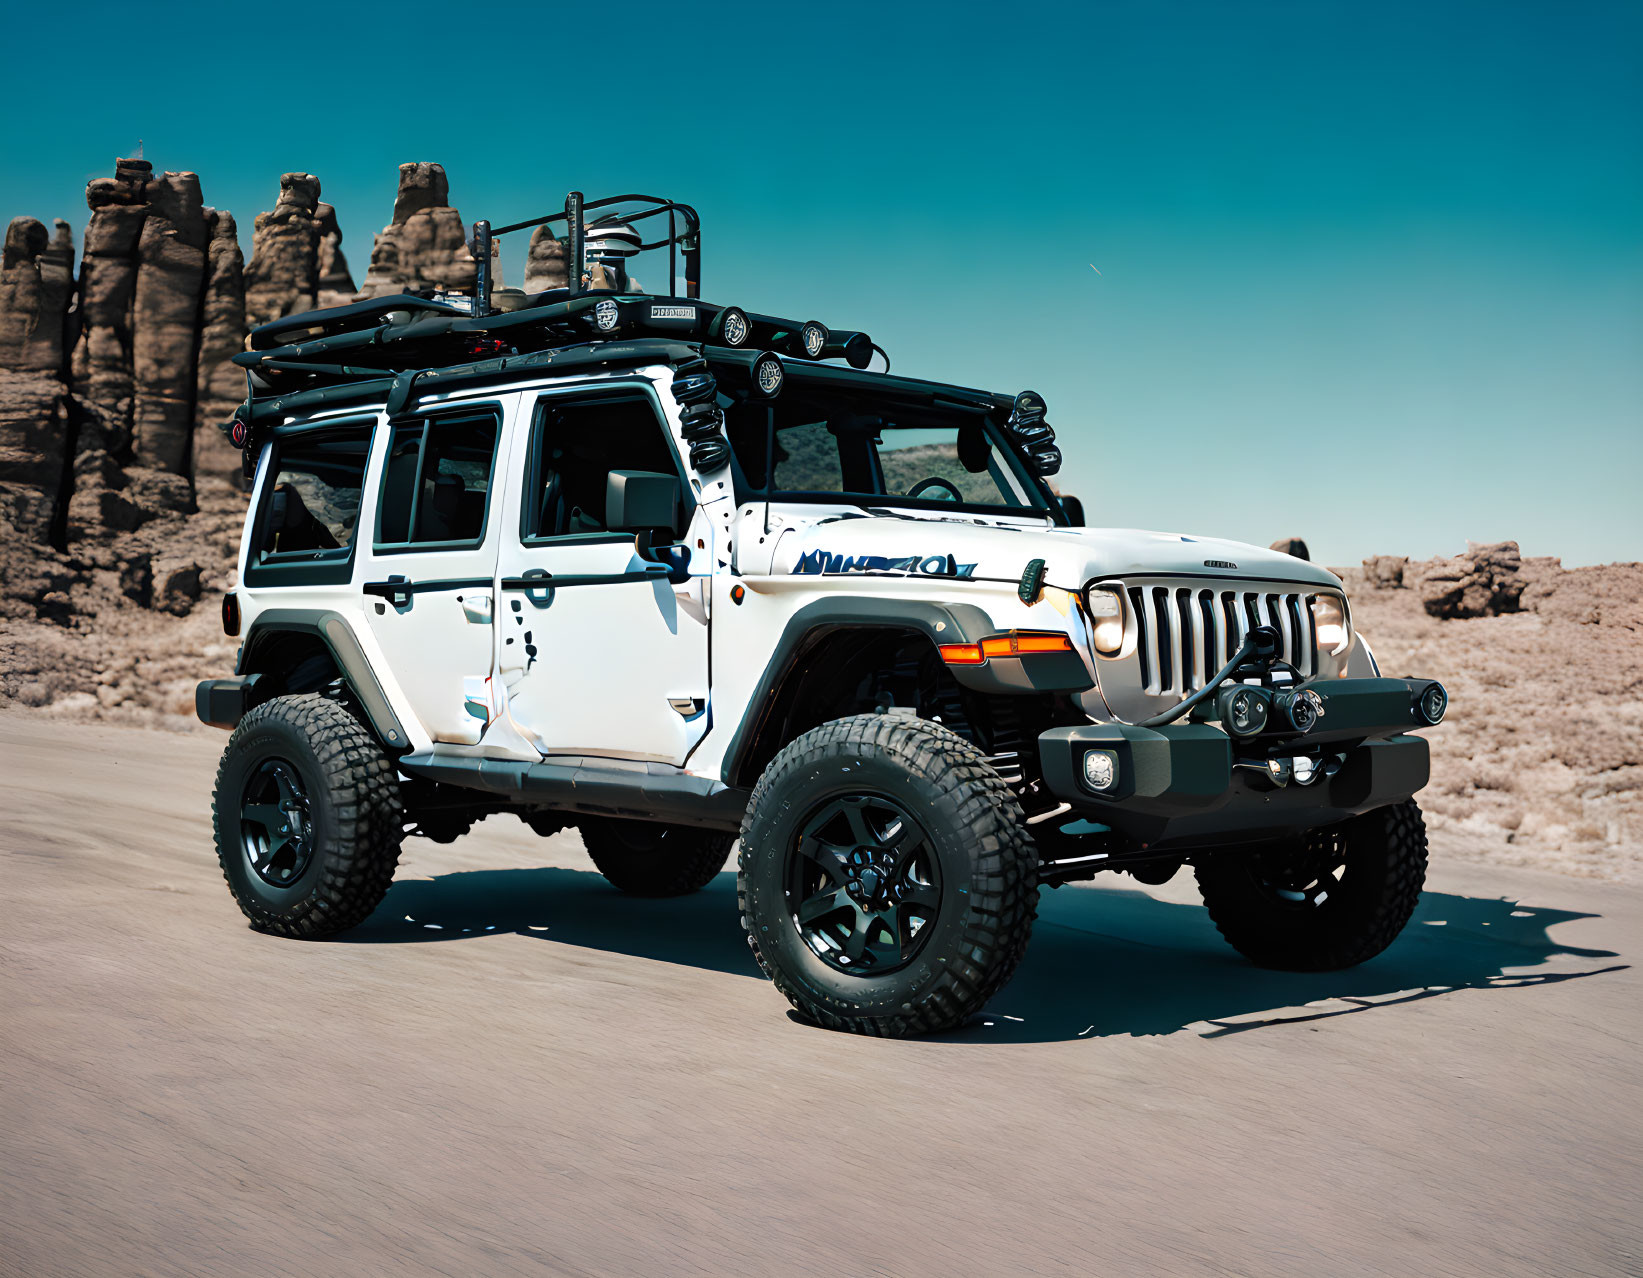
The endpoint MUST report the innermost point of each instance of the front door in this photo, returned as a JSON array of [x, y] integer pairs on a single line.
[[429, 578], [606, 657]]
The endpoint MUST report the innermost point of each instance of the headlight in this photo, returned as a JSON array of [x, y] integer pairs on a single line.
[[1106, 608], [1329, 623]]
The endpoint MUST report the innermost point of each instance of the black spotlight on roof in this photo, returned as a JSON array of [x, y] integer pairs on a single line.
[[812, 339], [768, 375], [732, 327], [855, 349]]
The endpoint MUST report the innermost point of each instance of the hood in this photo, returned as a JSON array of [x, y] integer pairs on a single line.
[[982, 549]]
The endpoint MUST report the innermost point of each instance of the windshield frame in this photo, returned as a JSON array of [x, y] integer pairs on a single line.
[[1041, 502]]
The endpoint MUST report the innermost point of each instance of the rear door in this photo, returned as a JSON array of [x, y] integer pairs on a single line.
[[430, 574], [600, 653]]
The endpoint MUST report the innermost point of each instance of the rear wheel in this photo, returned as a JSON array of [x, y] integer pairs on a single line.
[[1333, 899], [888, 884], [646, 858], [307, 817]]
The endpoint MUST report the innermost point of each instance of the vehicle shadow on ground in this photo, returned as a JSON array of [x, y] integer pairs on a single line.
[[1103, 961]]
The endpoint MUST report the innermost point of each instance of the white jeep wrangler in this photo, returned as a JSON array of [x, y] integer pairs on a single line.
[[672, 573]]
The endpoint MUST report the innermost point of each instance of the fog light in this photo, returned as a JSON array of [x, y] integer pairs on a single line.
[[1101, 770], [1300, 710], [1243, 711], [1305, 769], [1106, 609], [605, 315], [1432, 704]]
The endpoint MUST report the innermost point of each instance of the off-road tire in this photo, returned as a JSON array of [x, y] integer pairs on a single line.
[[356, 816], [647, 858], [1385, 868], [988, 889]]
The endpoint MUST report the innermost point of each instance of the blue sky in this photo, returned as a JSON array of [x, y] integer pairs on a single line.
[[1371, 274]]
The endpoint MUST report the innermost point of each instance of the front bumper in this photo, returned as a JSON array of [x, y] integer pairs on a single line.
[[1193, 784]]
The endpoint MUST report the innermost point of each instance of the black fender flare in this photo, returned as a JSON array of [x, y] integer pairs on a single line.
[[941, 623], [332, 630]]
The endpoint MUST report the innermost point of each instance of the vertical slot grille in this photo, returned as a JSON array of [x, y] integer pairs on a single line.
[[1186, 634]]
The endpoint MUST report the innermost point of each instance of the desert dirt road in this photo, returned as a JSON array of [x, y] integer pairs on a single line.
[[511, 1069]]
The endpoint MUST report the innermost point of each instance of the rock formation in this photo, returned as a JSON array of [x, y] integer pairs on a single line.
[[1485, 581], [101, 365], [166, 320], [336, 282], [36, 285], [219, 384], [297, 262], [425, 246], [1291, 546], [1385, 572]]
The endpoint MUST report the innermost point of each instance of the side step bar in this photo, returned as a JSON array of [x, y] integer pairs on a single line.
[[607, 787]]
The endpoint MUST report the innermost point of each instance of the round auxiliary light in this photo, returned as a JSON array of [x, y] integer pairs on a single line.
[[768, 375], [1305, 769], [733, 326], [606, 315], [1432, 704], [1301, 709], [813, 337], [1246, 712], [239, 430], [1101, 770]]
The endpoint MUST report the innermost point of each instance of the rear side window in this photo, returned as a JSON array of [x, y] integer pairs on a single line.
[[436, 484], [310, 508]]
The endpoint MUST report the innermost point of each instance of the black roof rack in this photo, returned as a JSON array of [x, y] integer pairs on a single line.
[[431, 329]]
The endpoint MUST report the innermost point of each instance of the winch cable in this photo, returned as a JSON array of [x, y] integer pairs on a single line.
[[1254, 641]]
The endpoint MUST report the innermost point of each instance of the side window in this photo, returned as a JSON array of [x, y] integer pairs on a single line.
[[312, 503], [436, 482], [575, 444]]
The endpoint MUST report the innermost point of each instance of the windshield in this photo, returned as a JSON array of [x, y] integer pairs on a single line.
[[860, 449]]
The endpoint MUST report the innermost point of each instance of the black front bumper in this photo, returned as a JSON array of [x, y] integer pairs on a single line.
[[1192, 784]]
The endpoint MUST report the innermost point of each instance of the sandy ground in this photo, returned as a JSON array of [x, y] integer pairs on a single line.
[[512, 1069]]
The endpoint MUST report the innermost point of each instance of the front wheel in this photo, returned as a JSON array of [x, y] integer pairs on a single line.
[[887, 881], [1334, 898]]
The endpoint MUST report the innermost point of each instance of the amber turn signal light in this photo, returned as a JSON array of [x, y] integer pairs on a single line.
[[1014, 644]]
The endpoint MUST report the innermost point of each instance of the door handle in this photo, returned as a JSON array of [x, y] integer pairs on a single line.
[[396, 590]]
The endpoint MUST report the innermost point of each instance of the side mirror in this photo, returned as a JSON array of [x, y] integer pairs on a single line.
[[1073, 509], [642, 501]]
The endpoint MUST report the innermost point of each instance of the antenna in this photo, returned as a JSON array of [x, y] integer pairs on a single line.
[[139, 154]]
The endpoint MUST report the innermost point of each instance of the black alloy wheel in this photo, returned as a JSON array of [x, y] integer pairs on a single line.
[[871, 919], [308, 817], [864, 884], [276, 823]]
